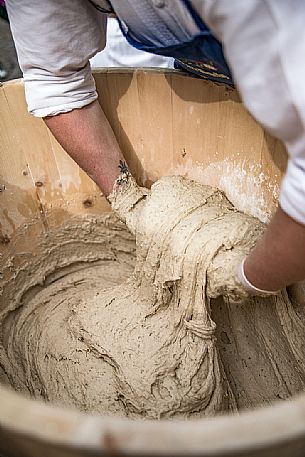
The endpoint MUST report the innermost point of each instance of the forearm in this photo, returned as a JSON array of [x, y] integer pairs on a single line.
[[87, 137], [278, 259]]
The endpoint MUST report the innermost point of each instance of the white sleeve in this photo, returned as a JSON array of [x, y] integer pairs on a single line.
[[54, 41], [264, 43]]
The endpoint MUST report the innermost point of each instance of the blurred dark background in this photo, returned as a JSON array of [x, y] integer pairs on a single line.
[[9, 68]]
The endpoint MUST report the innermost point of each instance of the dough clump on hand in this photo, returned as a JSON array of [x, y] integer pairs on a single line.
[[190, 241]]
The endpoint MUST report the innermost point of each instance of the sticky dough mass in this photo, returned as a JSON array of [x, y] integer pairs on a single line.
[[87, 321]]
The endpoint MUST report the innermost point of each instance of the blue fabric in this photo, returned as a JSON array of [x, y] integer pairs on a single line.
[[202, 54]]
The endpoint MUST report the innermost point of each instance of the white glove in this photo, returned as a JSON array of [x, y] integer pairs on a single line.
[[246, 284], [226, 278]]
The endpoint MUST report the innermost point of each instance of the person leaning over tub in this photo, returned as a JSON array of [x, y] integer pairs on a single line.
[[264, 45]]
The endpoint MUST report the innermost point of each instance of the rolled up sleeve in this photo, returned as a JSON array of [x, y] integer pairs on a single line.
[[54, 42]]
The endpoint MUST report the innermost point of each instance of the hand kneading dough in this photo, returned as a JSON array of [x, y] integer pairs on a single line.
[[147, 346]]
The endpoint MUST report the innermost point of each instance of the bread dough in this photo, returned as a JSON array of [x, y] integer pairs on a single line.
[[86, 324]]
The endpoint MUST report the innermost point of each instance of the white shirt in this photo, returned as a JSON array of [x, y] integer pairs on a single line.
[[264, 43], [119, 53]]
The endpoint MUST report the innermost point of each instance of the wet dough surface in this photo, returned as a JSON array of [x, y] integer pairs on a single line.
[[90, 320]]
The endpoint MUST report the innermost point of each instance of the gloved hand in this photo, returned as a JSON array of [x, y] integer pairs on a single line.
[[226, 277], [244, 281]]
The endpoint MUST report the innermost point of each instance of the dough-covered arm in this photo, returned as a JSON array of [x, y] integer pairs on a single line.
[[264, 43]]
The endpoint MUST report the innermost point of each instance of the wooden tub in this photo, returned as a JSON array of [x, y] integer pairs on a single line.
[[166, 123]]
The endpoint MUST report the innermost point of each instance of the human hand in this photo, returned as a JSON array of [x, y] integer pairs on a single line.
[[226, 277], [127, 201]]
